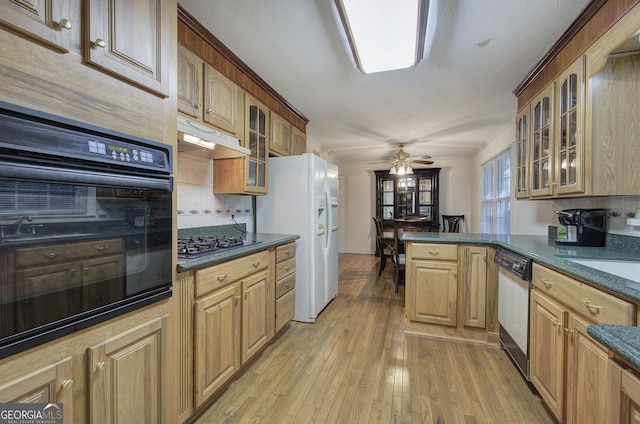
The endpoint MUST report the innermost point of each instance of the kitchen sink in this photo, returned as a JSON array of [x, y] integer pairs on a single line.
[[624, 269], [43, 237]]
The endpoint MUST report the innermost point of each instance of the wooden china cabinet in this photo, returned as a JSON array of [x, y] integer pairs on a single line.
[[401, 195]]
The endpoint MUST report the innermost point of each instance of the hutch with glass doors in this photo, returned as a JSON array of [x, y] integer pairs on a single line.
[[398, 196]]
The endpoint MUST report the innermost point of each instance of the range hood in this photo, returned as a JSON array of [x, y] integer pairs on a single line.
[[201, 140]]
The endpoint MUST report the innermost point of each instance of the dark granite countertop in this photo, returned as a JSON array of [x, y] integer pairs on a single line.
[[623, 340], [543, 250], [263, 241]]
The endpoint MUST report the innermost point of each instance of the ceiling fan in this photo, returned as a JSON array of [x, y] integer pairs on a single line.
[[401, 161]]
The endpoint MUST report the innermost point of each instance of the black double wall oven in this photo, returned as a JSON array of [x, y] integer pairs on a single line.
[[85, 226]]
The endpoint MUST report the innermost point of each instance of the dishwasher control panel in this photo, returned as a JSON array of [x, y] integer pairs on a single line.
[[515, 263]]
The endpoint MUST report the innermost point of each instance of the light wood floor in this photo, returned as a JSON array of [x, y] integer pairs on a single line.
[[356, 365]]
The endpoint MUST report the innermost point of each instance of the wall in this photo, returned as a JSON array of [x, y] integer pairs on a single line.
[[198, 206]]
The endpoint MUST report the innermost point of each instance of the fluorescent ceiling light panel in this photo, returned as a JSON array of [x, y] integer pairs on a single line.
[[384, 34]]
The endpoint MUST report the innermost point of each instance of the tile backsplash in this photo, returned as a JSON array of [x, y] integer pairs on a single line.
[[198, 206], [618, 210]]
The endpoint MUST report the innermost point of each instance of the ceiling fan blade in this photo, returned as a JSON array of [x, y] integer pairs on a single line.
[[423, 162], [375, 163], [421, 157]]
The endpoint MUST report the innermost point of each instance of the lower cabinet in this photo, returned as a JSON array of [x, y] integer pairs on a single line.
[[127, 376], [630, 398], [435, 292], [49, 384], [285, 284], [577, 388]]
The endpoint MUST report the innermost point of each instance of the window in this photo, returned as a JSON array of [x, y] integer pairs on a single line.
[[21, 197], [496, 195]]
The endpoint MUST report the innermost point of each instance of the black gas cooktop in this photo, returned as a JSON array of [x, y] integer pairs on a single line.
[[193, 247]]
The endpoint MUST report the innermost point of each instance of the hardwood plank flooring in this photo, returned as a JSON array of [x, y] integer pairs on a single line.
[[356, 364]]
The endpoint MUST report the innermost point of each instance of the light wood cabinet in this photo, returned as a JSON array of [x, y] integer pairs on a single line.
[[280, 141], [127, 375], [432, 283], [190, 83], [52, 383], [542, 143], [576, 388], [285, 284], [258, 304], [131, 43], [630, 398], [216, 341], [298, 142], [523, 123], [46, 22], [474, 286]]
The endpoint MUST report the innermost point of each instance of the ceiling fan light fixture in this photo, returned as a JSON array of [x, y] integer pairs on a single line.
[[384, 35]]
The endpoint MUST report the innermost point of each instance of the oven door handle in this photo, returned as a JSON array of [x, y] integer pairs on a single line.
[[27, 171]]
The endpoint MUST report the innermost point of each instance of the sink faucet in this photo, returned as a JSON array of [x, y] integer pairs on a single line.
[[18, 223]]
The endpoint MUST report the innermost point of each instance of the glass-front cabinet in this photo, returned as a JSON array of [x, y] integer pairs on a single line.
[[569, 138], [400, 195], [522, 153], [256, 139], [542, 144]]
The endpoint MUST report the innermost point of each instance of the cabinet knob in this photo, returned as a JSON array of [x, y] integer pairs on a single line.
[[51, 255], [209, 110], [66, 384], [99, 43], [238, 298], [286, 286], [286, 252], [64, 24], [556, 323], [198, 106], [455, 274], [101, 366], [287, 268], [567, 331], [256, 264]]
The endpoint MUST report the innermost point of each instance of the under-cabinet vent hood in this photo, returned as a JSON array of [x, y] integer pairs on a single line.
[[201, 140]]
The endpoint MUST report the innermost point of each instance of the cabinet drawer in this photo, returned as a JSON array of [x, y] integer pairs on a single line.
[[285, 309], [442, 252], [593, 304], [285, 268], [286, 284], [285, 252], [34, 256], [209, 279]]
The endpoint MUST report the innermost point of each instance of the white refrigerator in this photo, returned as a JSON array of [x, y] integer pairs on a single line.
[[303, 200]]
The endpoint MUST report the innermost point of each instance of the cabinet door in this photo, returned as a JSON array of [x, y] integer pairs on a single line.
[[102, 281], [522, 153], [542, 144], [256, 139], [593, 382], [49, 384], [222, 102], [127, 376], [190, 80], [474, 286], [569, 152], [547, 342], [46, 22], [131, 42], [434, 292], [280, 142], [630, 398], [258, 304], [216, 340], [298, 142]]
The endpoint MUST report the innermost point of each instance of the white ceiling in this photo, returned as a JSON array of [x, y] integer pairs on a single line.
[[449, 105]]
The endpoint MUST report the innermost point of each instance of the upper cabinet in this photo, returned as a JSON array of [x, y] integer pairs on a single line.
[[130, 42], [298, 142], [256, 139], [582, 130], [46, 22], [190, 79], [280, 142]]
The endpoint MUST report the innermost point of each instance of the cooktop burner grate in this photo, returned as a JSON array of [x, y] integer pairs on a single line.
[[190, 247]]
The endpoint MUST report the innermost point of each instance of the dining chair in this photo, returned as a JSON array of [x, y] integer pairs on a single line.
[[399, 259], [384, 248], [452, 223]]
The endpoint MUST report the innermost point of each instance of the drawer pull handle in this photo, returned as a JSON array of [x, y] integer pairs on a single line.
[[591, 305], [101, 248], [101, 366], [287, 268], [567, 331], [556, 323], [66, 384], [222, 277], [434, 252], [547, 283], [64, 24], [51, 255], [238, 299], [256, 264], [99, 43], [286, 252]]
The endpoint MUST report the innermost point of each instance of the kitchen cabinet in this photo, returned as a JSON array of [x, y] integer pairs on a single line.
[[474, 286], [280, 141], [285, 284], [131, 43], [298, 142], [207, 95], [630, 398], [415, 194], [128, 375], [542, 143], [432, 283], [574, 387], [234, 319], [46, 22], [51, 383], [247, 175], [522, 153]]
